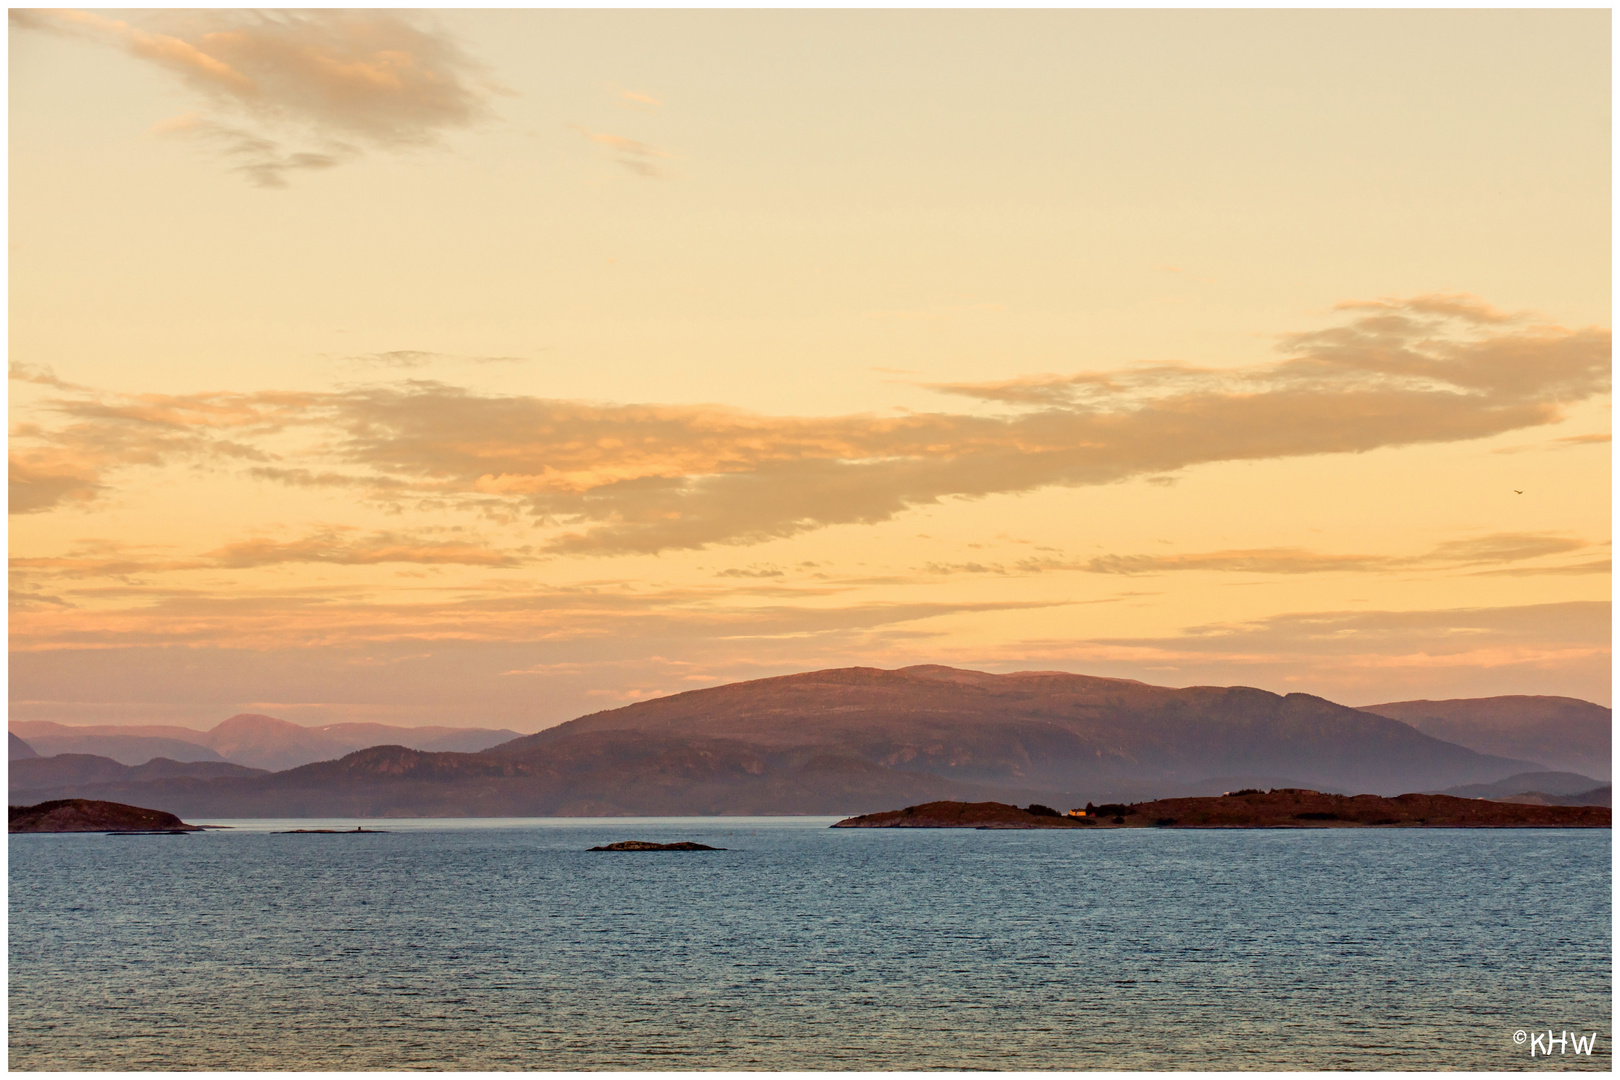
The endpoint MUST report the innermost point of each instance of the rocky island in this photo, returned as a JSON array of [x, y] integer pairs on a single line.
[[1282, 808], [647, 845], [90, 815]]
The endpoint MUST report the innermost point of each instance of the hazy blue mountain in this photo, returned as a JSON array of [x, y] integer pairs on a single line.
[[1548, 788], [63, 775], [130, 749], [263, 742]]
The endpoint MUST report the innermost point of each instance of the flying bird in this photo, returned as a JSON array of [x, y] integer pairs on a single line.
[[1516, 491]]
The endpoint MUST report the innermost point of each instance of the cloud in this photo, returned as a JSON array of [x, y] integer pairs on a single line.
[[67, 464], [334, 545], [1363, 656], [280, 616], [639, 157], [1591, 566], [634, 100], [1495, 548], [344, 547], [415, 358], [265, 162], [1501, 548], [38, 483], [399, 358], [40, 375], [1438, 344], [337, 82], [614, 479], [1413, 638], [1564, 443]]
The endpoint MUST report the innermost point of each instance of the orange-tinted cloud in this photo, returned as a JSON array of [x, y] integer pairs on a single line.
[[344, 547], [1496, 548], [335, 546], [1414, 638], [645, 478], [334, 80], [283, 617], [1363, 656], [639, 157]]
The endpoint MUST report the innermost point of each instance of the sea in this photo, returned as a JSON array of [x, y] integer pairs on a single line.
[[506, 944]]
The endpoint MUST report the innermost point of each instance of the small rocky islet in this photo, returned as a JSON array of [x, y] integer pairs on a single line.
[[647, 845], [1280, 808]]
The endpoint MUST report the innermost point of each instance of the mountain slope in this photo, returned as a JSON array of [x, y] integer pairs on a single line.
[[19, 750], [1050, 730], [1564, 734]]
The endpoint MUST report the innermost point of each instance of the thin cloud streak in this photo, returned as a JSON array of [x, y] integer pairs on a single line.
[[639, 157], [335, 546], [350, 617], [1571, 630], [1456, 554]]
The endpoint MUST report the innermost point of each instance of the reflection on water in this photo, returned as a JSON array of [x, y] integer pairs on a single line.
[[506, 945]]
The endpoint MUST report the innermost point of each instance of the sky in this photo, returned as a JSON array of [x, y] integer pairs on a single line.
[[491, 368]]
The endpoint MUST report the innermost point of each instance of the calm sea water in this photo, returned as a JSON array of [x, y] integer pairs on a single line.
[[505, 945]]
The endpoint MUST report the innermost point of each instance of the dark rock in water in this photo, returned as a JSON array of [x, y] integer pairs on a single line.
[[90, 815], [336, 832], [645, 845]]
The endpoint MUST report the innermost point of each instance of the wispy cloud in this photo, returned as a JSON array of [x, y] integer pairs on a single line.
[[284, 91], [1408, 637], [1359, 656], [637, 100], [639, 157], [1492, 549], [1591, 566], [610, 479], [1496, 548], [417, 358], [348, 616], [335, 545], [350, 548]]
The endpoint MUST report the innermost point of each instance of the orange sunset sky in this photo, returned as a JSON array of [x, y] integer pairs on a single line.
[[490, 368]]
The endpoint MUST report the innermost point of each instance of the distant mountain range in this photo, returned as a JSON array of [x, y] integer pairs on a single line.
[[833, 742], [1562, 733], [262, 742], [78, 771], [1546, 788], [20, 751]]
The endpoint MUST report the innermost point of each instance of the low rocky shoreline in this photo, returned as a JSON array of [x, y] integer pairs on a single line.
[[1282, 808]]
